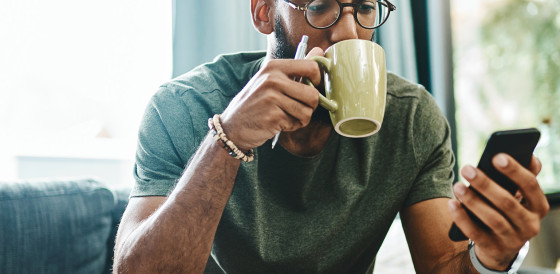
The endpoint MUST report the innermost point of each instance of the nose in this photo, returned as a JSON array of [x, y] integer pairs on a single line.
[[345, 28]]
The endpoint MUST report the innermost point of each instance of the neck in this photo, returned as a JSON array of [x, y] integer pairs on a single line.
[[307, 141]]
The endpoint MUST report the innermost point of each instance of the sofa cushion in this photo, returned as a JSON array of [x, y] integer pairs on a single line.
[[54, 226]]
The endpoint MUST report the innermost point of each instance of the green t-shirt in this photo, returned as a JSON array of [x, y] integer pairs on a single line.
[[289, 214]]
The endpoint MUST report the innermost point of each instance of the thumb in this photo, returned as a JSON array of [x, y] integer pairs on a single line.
[[316, 51]]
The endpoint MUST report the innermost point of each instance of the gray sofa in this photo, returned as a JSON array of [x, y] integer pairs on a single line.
[[59, 226], [69, 226]]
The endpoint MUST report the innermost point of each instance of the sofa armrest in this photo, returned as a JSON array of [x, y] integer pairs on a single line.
[[55, 226]]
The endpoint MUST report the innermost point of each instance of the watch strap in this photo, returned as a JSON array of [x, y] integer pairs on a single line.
[[515, 265]]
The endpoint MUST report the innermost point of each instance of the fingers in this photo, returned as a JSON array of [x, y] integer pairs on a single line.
[[294, 69], [535, 166], [316, 51], [294, 99], [510, 223], [493, 218], [272, 101], [518, 196], [496, 207], [504, 215], [465, 223], [290, 114], [303, 93], [496, 249], [526, 180]]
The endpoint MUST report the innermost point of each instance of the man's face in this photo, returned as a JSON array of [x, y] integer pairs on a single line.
[[284, 49], [290, 25]]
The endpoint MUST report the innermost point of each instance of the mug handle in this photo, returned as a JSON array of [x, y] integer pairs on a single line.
[[325, 64]]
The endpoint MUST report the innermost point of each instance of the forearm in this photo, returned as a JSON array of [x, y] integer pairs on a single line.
[[178, 237], [426, 225], [460, 263]]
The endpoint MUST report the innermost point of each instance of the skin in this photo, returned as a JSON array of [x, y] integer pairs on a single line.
[[175, 233]]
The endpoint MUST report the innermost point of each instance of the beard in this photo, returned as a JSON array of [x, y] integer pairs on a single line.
[[285, 50]]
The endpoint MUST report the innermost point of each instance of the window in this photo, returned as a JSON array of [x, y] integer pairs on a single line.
[[507, 75], [76, 76]]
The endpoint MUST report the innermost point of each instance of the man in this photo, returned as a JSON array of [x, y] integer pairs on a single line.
[[319, 202]]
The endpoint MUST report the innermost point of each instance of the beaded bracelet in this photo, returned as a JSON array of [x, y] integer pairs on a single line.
[[219, 135]]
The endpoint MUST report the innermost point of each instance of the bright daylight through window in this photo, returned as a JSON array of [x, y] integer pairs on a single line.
[[76, 77], [507, 75]]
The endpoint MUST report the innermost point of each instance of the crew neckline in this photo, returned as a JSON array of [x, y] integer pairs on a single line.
[[333, 139]]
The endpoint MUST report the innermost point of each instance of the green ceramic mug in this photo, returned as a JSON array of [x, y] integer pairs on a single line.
[[355, 77]]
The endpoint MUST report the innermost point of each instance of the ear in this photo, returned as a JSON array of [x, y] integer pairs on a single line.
[[262, 15]]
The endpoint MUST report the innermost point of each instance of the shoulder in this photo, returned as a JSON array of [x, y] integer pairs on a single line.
[[399, 87], [226, 73], [209, 87], [412, 109], [413, 100]]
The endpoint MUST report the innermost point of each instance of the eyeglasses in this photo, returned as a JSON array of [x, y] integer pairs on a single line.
[[322, 14]]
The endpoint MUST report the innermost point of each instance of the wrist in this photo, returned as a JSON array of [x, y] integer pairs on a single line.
[[512, 267], [496, 262], [232, 132], [219, 136]]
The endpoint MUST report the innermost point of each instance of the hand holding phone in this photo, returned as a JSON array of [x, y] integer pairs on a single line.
[[520, 145]]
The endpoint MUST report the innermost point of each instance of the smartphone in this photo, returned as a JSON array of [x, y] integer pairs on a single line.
[[519, 144]]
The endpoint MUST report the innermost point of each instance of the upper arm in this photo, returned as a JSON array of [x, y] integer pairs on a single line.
[[433, 153], [138, 210], [165, 143], [426, 225]]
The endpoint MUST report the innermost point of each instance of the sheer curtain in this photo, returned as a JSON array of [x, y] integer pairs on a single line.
[[396, 36], [441, 60], [204, 29], [417, 41]]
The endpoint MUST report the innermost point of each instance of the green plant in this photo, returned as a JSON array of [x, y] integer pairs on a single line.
[[521, 40]]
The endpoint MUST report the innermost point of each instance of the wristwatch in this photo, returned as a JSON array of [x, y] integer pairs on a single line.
[[512, 269]]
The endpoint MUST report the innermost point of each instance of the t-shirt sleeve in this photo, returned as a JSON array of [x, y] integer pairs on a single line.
[[165, 137], [433, 153]]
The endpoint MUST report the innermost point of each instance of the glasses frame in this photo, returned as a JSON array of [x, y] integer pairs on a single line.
[[355, 6]]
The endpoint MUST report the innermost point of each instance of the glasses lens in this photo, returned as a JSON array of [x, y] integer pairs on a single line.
[[371, 14], [322, 13]]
